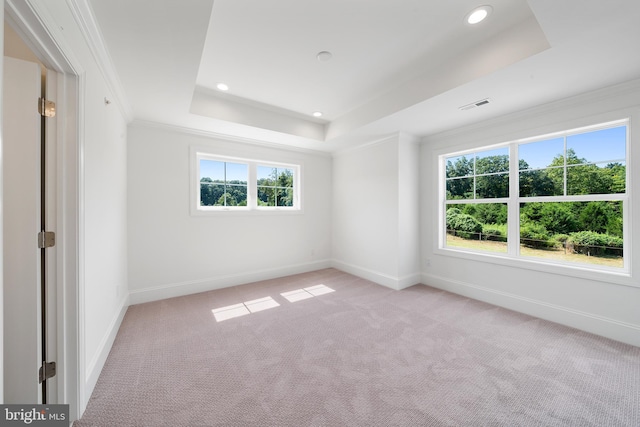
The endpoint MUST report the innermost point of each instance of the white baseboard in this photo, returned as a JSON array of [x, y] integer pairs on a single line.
[[599, 325], [409, 280], [172, 290], [383, 279], [94, 368]]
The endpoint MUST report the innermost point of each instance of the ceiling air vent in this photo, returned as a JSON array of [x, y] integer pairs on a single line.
[[476, 104]]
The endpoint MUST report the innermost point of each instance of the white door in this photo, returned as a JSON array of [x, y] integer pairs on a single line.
[[21, 206]]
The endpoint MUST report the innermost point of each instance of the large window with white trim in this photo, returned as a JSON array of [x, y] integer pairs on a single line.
[[237, 184], [560, 198]]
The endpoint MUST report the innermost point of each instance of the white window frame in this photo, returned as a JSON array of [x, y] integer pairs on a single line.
[[296, 184], [513, 205], [206, 156], [252, 207]]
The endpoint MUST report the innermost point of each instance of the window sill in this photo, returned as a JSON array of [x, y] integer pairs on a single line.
[[581, 271], [244, 212]]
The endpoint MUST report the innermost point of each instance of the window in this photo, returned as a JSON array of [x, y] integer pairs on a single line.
[[223, 183], [560, 199], [234, 184], [275, 186]]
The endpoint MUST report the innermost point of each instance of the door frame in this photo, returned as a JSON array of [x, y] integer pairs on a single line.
[[34, 24]]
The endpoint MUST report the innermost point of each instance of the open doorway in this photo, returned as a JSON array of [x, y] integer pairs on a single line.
[[29, 22], [29, 186]]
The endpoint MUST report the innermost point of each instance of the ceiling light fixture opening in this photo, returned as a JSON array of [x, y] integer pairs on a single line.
[[317, 114], [478, 14], [223, 87]]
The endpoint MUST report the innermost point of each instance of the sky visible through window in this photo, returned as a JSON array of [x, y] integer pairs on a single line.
[[597, 146], [265, 172], [215, 170], [602, 146]]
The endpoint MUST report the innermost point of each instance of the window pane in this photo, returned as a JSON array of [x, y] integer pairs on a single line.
[[267, 175], [211, 193], [480, 226], [285, 197], [235, 195], [618, 173], [541, 154], [212, 170], [223, 183], [285, 177], [459, 188], [492, 161], [606, 145], [581, 232], [266, 196], [275, 186], [492, 186], [237, 172], [543, 182], [459, 166], [602, 178]]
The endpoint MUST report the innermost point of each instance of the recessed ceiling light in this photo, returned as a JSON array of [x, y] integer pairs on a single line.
[[222, 86], [324, 56], [478, 14], [317, 114]]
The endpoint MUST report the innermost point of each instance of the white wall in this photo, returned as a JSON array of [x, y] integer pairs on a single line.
[[408, 210], [173, 253], [597, 302], [105, 226], [375, 212]]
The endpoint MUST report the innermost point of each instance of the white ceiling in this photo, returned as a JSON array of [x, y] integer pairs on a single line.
[[397, 66]]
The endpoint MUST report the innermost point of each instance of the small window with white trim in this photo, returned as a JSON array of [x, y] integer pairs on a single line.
[[275, 186], [222, 183]]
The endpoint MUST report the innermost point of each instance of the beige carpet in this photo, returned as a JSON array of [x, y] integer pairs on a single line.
[[362, 355]]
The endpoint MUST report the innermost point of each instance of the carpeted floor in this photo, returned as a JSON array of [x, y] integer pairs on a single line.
[[362, 355]]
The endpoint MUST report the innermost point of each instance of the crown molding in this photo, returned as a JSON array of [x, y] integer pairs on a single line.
[[83, 14], [225, 137]]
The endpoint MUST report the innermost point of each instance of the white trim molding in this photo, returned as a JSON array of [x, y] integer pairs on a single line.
[[599, 325], [83, 14], [393, 282], [225, 137], [34, 23], [94, 367], [171, 290]]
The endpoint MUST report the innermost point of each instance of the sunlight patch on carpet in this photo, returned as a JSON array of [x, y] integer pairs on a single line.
[[230, 311], [305, 293], [242, 309], [261, 304]]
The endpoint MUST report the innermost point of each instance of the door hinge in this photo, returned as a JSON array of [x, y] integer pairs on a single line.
[[46, 108], [47, 370], [46, 239]]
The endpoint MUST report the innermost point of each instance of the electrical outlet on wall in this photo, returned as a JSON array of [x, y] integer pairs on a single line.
[[427, 262]]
